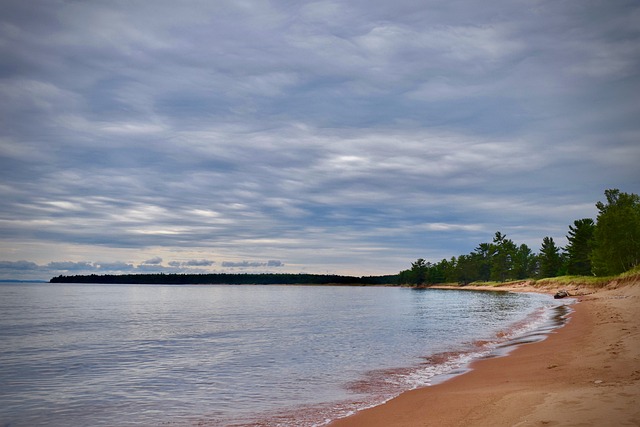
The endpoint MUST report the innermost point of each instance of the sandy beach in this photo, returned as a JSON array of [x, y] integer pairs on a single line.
[[585, 374]]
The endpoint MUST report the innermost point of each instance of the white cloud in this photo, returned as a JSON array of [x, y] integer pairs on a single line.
[[252, 264], [153, 261], [192, 263], [18, 265], [118, 266], [70, 266], [199, 263]]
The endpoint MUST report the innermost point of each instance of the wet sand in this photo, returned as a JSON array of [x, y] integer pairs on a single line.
[[584, 374]]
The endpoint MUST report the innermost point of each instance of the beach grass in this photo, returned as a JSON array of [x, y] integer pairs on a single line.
[[566, 281]]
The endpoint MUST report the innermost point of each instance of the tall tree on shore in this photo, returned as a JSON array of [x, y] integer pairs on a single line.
[[467, 268], [418, 273], [578, 250], [524, 262], [616, 238], [550, 260], [502, 257], [449, 268], [482, 258]]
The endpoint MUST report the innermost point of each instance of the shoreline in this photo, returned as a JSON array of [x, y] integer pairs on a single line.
[[585, 373]]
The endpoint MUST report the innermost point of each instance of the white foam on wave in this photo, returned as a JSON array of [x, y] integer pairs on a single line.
[[386, 385], [380, 386], [535, 327]]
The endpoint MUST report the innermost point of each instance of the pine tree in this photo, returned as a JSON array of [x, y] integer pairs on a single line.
[[502, 259], [550, 260], [578, 250], [524, 262], [616, 238], [482, 258]]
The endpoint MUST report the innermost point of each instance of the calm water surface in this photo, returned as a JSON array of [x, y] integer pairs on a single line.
[[147, 355]]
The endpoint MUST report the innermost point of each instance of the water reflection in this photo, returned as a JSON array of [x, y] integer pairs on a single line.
[[118, 355]]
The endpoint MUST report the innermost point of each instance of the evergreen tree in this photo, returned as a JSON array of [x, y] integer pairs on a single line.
[[502, 257], [449, 270], [482, 258], [616, 238], [524, 262], [467, 268], [418, 273], [437, 272], [578, 250], [423, 272], [549, 258]]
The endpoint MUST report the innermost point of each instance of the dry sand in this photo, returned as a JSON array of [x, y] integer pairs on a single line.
[[585, 374]]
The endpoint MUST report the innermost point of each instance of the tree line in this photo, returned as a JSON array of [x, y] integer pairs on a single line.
[[228, 279], [607, 246]]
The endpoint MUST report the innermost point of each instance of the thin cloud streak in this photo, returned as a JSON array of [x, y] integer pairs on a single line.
[[349, 137]]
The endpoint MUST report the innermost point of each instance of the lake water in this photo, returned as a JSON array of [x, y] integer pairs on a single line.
[[149, 355]]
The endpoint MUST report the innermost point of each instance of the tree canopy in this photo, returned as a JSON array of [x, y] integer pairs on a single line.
[[549, 258], [578, 250], [228, 279], [499, 260], [616, 238]]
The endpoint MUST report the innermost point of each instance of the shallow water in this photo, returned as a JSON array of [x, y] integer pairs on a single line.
[[118, 355]]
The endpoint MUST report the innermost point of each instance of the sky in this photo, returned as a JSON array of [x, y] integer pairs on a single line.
[[343, 137]]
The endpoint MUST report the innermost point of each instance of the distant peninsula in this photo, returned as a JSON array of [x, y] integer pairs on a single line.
[[229, 279]]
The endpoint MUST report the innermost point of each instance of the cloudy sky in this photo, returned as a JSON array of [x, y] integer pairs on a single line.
[[344, 136]]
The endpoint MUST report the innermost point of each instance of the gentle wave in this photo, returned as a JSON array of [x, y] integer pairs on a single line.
[[377, 387], [112, 355]]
